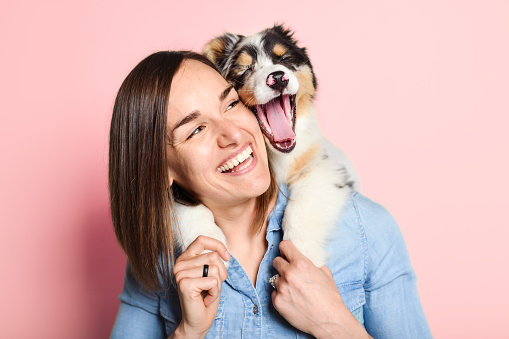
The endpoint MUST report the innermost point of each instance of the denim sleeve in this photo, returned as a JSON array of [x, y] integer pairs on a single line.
[[138, 315], [393, 308]]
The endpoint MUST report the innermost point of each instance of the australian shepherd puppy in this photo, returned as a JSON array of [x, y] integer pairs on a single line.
[[275, 79]]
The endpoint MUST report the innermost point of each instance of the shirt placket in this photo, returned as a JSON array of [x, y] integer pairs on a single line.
[[256, 299], [239, 281]]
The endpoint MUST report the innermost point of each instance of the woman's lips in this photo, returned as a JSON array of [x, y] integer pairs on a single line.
[[249, 164], [236, 162]]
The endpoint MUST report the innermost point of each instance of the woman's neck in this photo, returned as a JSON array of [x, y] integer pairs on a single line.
[[246, 242], [236, 221]]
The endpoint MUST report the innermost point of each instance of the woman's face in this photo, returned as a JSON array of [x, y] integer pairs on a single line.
[[210, 131]]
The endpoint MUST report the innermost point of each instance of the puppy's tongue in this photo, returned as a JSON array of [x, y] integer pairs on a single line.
[[278, 122]]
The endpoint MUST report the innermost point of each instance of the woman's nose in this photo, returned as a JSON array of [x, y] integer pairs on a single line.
[[228, 133]]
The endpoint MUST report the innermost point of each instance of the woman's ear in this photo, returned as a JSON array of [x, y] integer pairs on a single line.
[[170, 178]]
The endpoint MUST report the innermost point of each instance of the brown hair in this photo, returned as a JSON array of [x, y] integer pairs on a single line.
[[141, 200]]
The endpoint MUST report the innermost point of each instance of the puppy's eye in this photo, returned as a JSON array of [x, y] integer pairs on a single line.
[[240, 70]]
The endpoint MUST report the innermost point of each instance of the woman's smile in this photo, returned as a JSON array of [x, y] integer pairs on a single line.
[[240, 162]]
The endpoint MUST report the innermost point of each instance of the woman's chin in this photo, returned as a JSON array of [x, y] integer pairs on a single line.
[[255, 185]]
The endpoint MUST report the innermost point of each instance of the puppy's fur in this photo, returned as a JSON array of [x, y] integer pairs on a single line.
[[274, 78]]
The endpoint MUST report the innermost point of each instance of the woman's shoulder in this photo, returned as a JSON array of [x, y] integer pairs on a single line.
[[134, 294], [369, 217], [385, 248], [366, 232]]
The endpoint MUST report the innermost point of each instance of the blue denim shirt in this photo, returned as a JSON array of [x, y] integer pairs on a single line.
[[369, 262]]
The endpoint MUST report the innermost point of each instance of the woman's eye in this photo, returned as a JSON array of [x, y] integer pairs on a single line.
[[233, 104], [196, 131]]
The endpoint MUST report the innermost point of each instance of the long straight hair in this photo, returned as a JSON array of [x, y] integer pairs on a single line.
[[141, 199]]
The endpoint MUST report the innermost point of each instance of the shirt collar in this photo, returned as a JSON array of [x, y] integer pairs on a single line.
[[276, 215]]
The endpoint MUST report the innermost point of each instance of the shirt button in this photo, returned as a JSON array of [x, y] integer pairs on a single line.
[[255, 310]]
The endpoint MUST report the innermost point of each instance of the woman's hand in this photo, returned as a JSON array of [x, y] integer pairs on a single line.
[[307, 297], [199, 296]]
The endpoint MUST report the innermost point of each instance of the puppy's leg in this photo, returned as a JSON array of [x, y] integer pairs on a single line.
[[341, 159], [194, 221], [317, 197]]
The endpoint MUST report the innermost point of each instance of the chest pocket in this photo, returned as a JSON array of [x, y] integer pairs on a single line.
[[216, 330], [354, 297], [171, 313]]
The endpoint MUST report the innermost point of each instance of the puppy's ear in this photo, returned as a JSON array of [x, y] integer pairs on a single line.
[[219, 49], [283, 32]]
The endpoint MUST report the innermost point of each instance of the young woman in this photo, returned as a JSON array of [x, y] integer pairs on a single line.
[[175, 122]]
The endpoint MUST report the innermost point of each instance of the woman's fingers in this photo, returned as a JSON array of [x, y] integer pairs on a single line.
[[289, 251], [199, 295], [203, 243], [293, 256], [194, 259], [197, 271], [280, 264], [291, 261], [189, 269], [197, 263], [212, 295], [193, 288]]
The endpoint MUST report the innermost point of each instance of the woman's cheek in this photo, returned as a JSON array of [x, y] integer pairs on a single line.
[[184, 160], [252, 125]]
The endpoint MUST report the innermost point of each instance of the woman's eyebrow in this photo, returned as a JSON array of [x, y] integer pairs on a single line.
[[225, 93], [187, 118], [196, 114]]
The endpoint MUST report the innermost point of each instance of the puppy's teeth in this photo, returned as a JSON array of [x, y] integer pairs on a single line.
[[267, 127]]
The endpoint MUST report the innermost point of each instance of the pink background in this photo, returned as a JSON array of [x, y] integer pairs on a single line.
[[415, 92]]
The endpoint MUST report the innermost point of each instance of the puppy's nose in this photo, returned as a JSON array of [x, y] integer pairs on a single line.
[[277, 80]]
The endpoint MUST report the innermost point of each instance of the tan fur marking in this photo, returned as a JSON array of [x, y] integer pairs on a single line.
[[244, 59], [213, 49], [247, 97], [300, 162], [279, 49], [306, 90]]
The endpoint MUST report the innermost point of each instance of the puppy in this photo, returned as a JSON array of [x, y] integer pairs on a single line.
[[275, 79]]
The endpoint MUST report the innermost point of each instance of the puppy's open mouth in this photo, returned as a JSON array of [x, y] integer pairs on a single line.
[[277, 121]]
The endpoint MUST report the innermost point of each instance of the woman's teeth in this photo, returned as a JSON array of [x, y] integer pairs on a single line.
[[236, 161]]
